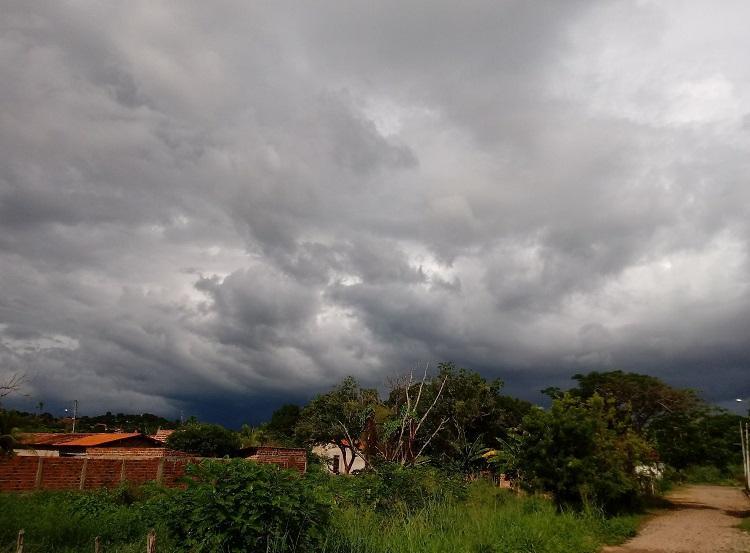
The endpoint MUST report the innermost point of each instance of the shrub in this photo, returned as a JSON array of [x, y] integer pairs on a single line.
[[579, 453], [395, 487], [238, 506]]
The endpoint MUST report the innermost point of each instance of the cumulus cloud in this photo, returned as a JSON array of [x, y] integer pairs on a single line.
[[211, 208]]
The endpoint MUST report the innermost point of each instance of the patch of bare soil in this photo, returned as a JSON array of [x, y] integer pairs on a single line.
[[701, 519]]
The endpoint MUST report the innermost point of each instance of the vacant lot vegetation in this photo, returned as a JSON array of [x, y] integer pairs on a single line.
[[391, 512]]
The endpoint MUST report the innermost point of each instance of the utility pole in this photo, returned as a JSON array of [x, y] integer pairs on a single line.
[[75, 414], [745, 453]]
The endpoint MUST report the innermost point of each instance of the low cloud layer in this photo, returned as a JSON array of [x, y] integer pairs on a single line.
[[215, 207]]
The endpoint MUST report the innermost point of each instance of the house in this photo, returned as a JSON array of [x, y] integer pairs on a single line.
[[331, 454], [81, 444]]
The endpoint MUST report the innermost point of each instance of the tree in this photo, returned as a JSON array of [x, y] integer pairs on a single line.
[[411, 424], [477, 414], [703, 436], [683, 429], [252, 436], [11, 385], [339, 417], [641, 398], [280, 428], [204, 440], [459, 410], [580, 453]]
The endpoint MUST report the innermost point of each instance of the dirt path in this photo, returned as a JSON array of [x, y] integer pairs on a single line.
[[703, 519]]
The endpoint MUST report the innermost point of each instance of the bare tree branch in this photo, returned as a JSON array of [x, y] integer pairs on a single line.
[[13, 384], [438, 429], [434, 402]]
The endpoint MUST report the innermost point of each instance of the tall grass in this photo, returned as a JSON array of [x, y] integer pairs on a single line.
[[68, 522], [489, 521]]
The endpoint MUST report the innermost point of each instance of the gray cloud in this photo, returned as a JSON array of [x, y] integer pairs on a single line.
[[206, 206]]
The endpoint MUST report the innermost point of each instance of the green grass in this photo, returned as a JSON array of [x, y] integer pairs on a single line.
[[68, 522], [745, 524], [488, 521], [731, 476]]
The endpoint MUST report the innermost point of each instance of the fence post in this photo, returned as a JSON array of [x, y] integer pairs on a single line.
[[151, 541], [82, 480], [160, 470], [19, 542], [97, 545], [39, 470]]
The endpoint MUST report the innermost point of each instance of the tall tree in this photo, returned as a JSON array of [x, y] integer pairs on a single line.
[[339, 417], [641, 398]]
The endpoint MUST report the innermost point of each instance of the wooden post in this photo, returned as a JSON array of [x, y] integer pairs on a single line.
[[97, 545], [39, 470], [151, 541], [747, 455], [82, 480], [160, 470], [19, 542]]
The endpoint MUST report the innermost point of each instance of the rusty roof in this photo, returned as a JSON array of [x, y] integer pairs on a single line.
[[48, 438], [102, 438]]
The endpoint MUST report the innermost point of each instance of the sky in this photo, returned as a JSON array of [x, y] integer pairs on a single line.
[[213, 208]]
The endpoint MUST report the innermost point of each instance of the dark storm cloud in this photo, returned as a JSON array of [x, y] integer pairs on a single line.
[[206, 206]]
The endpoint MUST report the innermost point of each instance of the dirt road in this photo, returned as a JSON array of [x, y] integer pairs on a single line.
[[703, 519]]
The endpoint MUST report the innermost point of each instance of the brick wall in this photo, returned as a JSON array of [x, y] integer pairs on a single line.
[[72, 473], [118, 452], [284, 457]]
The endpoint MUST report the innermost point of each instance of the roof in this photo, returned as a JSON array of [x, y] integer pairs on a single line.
[[48, 438], [103, 438], [162, 435], [76, 440]]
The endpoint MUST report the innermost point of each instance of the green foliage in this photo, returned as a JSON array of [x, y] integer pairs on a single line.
[[127, 422], [731, 475], [476, 413], [683, 429], [395, 488], [637, 398], [702, 436], [205, 440], [283, 422], [579, 453], [340, 416], [57, 522], [489, 521], [239, 506]]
